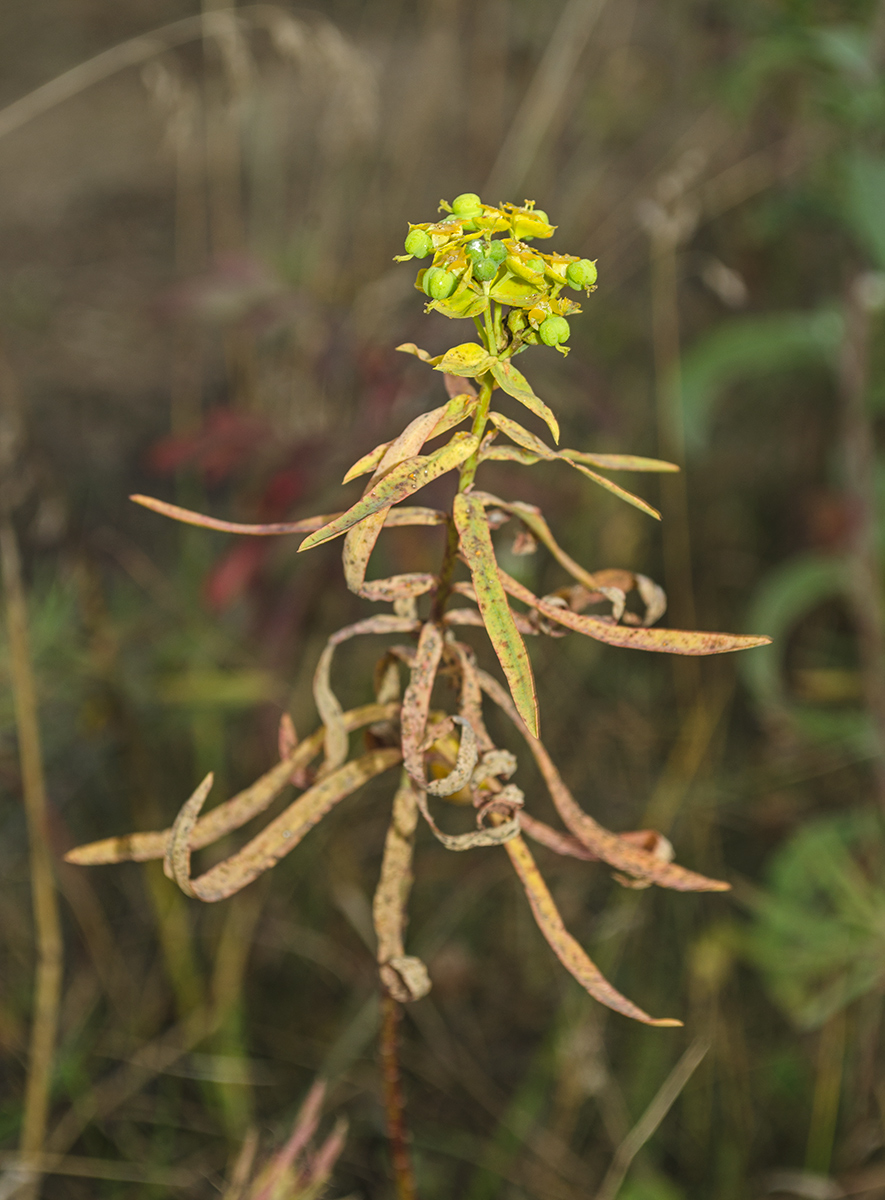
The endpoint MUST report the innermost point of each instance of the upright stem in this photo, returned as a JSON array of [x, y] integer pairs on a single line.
[[47, 984], [394, 1102]]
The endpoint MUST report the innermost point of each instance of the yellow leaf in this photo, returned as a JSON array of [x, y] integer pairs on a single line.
[[516, 385], [469, 359]]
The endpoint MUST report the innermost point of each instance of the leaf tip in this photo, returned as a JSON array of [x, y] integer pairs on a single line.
[[667, 1023]]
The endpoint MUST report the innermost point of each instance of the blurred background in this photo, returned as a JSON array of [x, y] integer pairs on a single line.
[[198, 214]]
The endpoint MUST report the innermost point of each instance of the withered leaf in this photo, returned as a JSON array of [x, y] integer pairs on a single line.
[[569, 952], [515, 384], [143, 847], [479, 554], [284, 833], [416, 701]]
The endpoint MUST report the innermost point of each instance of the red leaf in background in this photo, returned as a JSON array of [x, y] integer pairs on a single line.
[[234, 573], [226, 440]]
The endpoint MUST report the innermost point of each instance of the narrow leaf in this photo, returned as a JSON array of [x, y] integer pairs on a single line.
[[143, 847], [194, 518], [411, 348], [619, 462], [460, 774], [516, 385], [479, 554], [469, 359], [403, 480], [615, 489], [330, 712], [497, 835], [416, 701], [664, 641], [567, 950], [610, 847], [177, 860], [395, 882], [401, 515], [284, 833], [367, 463], [509, 454]]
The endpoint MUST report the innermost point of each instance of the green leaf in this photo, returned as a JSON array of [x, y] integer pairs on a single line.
[[864, 190], [476, 546], [516, 385], [469, 359], [401, 481], [746, 349]]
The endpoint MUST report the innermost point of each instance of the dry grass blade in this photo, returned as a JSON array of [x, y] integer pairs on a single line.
[[608, 846], [479, 554], [143, 847], [47, 922], [401, 481], [666, 1097], [564, 946], [416, 701], [285, 832]]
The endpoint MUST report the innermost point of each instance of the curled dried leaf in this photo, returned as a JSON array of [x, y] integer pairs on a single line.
[[495, 836], [405, 978], [416, 701], [143, 847], [567, 950], [617, 851], [177, 860], [188, 517], [463, 769], [284, 833], [470, 700]]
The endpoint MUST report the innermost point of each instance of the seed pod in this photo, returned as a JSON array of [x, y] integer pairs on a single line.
[[497, 252], [468, 204], [581, 274], [418, 243], [485, 269], [475, 249], [554, 331], [439, 283], [535, 264]]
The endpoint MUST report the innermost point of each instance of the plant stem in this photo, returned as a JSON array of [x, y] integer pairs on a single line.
[[394, 1102], [47, 984]]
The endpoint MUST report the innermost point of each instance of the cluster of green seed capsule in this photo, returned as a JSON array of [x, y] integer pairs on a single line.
[[472, 269]]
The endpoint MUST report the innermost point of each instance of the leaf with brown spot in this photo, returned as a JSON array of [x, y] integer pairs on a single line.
[[509, 454], [470, 700], [416, 701], [610, 847], [143, 847], [515, 384], [567, 950], [401, 481], [663, 641], [479, 554], [177, 859], [404, 976], [284, 833], [497, 835], [469, 359]]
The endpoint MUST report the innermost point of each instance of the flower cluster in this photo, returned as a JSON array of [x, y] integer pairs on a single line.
[[472, 270]]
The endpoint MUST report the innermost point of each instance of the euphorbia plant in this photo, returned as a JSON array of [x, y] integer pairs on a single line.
[[483, 267]]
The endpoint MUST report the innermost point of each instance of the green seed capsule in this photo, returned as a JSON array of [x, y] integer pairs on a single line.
[[439, 283], [535, 264], [581, 274], [468, 204], [497, 252], [485, 269], [553, 331], [542, 216], [418, 243], [475, 249]]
